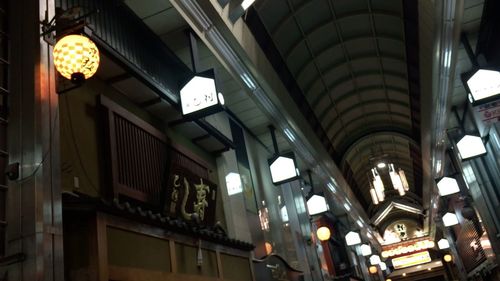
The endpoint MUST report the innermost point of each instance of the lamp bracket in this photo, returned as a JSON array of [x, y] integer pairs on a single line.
[[64, 22]]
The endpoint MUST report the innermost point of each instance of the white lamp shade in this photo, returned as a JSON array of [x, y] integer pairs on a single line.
[[470, 146], [484, 83], [447, 186], [383, 266], [246, 4], [366, 250], [316, 205], [284, 214], [443, 244], [373, 194], [199, 93], [352, 238], [374, 260], [450, 219], [282, 169], [233, 183]]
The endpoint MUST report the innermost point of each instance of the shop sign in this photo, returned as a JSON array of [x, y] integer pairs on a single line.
[[199, 96], [411, 260], [190, 197], [489, 112], [408, 248]]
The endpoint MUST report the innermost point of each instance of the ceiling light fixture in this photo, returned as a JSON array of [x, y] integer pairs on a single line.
[[375, 259], [352, 238], [443, 244], [246, 4], [377, 188], [316, 205], [397, 183], [484, 84], [470, 146], [447, 186], [366, 250], [282, 166], [450, 219]]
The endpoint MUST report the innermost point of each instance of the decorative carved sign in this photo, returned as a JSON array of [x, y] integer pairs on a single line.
[[146, 167], [190, 197]]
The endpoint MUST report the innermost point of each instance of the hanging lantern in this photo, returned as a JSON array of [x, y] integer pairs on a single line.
[[323, 233], [373, 194], [373, 269], [402, 176], [378, 185], [395, 179], [448, 258], [450, 219], [269, 248], [76, 58]]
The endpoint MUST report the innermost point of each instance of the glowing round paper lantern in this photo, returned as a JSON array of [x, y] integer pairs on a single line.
[[269, 248], [76, 57], [373, 269], [448, 258], [323, 233]]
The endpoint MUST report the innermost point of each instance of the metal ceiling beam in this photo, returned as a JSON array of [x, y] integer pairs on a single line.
[[118, 78], [357, 74], [334, 45], [372, 123], [355, 106], [343, 96], [361, 139], [297, 10], [303, 68], [444, 53], [400, 130]]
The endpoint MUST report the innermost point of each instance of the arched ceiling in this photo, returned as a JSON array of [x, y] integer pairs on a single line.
[[356, 65]]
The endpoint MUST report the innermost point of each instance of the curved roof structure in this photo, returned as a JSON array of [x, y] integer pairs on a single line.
[[356, 65]]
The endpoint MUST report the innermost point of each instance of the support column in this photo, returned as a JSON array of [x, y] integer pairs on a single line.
[[34, 201]]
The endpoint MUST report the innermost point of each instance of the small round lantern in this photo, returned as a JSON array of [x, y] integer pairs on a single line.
[[323, 233], [373, 269], [448, 258], [269, 248], [76, 58]]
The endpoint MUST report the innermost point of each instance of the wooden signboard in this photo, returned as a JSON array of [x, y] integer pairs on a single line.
[[189, 196], [146, 167]]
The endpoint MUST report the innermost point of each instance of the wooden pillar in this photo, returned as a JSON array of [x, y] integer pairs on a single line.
[[34, 211]]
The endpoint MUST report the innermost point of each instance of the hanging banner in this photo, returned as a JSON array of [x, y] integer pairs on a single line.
[[486, 115]]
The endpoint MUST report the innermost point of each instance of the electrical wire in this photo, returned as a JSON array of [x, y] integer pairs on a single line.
[[77, 150], [45, 154]]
